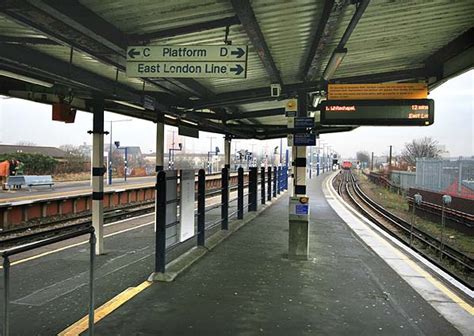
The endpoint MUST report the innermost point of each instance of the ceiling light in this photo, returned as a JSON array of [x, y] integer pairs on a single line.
[[124, 103], [25, 78], [189, 122], [334, 62], [170, 117], [316, 100]]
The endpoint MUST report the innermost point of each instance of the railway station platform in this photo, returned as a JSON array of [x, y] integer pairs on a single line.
[[247, 286]]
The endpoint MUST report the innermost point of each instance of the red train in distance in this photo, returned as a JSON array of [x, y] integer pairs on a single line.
[[346, 165]]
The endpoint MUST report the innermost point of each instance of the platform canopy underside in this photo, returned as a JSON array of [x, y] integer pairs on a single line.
[[80, 47]]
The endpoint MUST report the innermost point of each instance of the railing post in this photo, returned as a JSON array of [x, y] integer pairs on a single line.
[[253, 189], [279, 180], [262, 187], [225, 199], [92, 242], [269, 174], [160, 239], [201, 226], [6, 295], [275, 177], [240, 193]]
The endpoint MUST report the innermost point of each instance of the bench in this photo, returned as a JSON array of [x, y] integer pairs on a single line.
[[29, 181]]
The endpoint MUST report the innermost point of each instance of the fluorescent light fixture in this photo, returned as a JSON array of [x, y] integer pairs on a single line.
[[334, 62], [25, 78], [316, 100], [124, 103], [189, 122], [170, 117]]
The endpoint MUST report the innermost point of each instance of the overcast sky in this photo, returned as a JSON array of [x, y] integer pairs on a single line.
[[25, 121]]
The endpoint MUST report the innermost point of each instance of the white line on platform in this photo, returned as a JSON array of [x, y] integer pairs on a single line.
[[21, 261], [403, 260]]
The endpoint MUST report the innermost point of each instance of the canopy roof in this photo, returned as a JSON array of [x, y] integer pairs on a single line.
[[80, 47]]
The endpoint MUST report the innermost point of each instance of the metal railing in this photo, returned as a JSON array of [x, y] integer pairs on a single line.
[[276, 178]]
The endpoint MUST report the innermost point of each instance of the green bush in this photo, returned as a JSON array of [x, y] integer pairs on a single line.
[[35, 164]]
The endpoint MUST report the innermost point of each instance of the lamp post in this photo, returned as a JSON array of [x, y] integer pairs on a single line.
[[171, 154], [125, 161], [446, 200], [417, 199], [110, 147], [209, 167]]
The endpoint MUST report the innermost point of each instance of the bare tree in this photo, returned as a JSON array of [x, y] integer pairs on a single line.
[[363, 156], [421, 148], [25, 143]]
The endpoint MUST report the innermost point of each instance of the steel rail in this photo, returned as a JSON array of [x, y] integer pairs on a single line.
[[426, 239]]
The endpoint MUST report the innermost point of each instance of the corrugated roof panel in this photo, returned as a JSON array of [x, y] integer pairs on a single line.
[[11, 28], [395, 36], [147, 16], [93, 65], [287, 27]]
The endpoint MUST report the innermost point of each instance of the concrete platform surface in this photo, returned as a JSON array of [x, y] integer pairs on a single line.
[[247, 286]]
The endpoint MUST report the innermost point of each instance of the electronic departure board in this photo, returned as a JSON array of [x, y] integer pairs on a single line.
[[403, 112]]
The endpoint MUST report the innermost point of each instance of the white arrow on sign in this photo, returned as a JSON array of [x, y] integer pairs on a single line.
[[187, 69], [187, 53]]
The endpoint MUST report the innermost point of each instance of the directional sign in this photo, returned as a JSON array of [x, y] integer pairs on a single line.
[[304, 122], [187, 69], [304, 139], [202, 53]]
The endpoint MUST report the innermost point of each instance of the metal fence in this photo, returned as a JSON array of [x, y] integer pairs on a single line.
[[404, 180], [453, 177]]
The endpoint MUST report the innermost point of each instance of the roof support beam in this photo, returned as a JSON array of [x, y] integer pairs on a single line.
[[435, 63], [26, 40], [361, 7], [256, 95], [327, 23], [36, 62], [70, 23], [192, 28], [418, 73], [244, 11], [258, 114]]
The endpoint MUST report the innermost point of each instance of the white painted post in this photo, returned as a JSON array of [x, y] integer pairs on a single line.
[[98, 174]]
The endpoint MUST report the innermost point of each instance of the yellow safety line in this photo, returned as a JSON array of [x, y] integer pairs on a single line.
[[107, 308], [435, 282]]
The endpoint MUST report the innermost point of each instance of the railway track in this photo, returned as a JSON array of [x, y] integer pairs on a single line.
[[454, 262], [11, 237], [452, 215], [51, 228]]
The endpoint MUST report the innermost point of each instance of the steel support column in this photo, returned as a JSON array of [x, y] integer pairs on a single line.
[[227, 142], [97, 173], [159, 155], [298, 238]]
